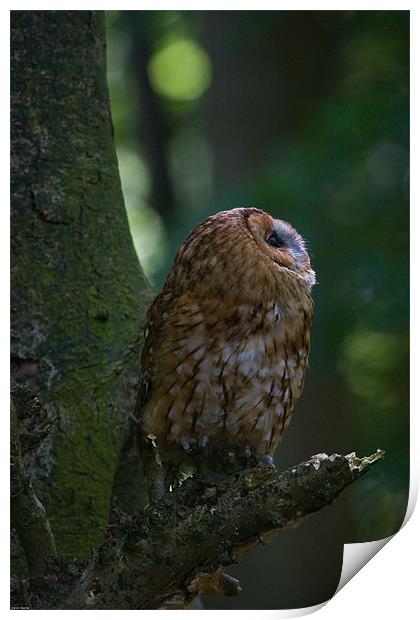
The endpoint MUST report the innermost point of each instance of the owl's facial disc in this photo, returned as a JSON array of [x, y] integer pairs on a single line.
[[281, 244], [290, 245]]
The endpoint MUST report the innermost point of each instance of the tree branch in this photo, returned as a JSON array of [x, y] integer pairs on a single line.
[[175, 550], [27, 513]]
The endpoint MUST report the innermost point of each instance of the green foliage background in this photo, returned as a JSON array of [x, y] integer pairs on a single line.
[[305, 115]]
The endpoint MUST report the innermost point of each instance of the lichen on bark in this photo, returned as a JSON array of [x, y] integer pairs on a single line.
[[78, 292]]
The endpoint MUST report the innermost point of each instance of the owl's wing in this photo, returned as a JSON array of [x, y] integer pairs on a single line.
[[175, 360], [147, 360], [142, 393], [157, 331]]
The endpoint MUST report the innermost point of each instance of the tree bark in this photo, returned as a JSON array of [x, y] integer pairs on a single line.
[[27, 513], [78, 293]]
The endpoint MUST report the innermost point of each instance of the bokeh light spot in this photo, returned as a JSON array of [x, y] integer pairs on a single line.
[[369, 360], [146, 227], [180, 70], [135, 175], [148, 236], [387, 164]]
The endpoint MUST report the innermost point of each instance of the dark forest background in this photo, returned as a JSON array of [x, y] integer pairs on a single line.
[[305, 115]]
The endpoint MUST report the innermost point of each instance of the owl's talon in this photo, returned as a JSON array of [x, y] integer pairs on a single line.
[[230, 457], [246, 455], [267, 459], [186, 445]]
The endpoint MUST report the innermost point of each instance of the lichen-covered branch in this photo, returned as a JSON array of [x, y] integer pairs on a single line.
[[178, 549], [27, 513]]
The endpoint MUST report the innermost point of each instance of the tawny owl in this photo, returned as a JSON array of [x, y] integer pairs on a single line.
[[227, 340]]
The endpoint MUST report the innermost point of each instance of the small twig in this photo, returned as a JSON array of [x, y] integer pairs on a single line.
[[30, 441], [365, 463], [31, 432], [27, 404], [27, 513]]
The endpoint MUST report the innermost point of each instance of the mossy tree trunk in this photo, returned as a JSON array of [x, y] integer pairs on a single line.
[[78, 292]]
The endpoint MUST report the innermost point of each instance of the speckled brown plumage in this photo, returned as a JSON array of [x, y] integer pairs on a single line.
[[227, 339]]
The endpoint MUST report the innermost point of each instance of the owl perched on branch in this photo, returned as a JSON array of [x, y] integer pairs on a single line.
[[227, 340]]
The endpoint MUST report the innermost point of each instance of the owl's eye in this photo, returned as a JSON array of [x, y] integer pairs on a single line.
[[275, 241]]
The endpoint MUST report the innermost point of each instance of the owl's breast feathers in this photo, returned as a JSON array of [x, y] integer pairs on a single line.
[[223, 373]]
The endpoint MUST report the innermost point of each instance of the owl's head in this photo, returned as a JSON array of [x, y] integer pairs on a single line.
[[280, 243], [245, 252]]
